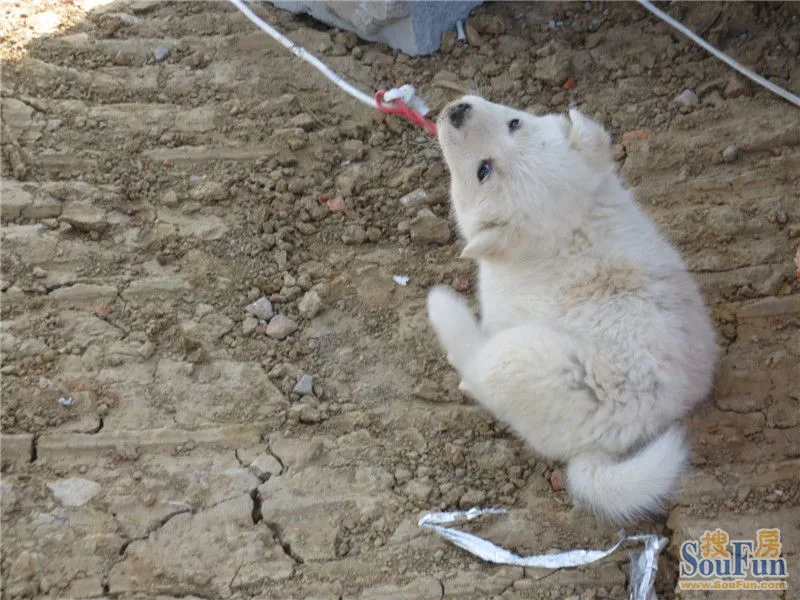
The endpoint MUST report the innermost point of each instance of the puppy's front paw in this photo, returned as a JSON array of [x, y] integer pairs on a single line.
[[455, 325], [443, 303]]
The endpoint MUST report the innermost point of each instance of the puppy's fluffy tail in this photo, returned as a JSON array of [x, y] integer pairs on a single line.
[[635, 487], [455, 325]]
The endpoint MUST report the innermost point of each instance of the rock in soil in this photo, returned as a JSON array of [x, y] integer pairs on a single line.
[[735, 87], [427, 228], [473, 37], [265, 465], [261, 309], [414, 199], [281, 327], [249, 325], [687, 98], [310, 304], [553, 70], [730, 153], [557, 480], [161, 54], [305, 387], [74, 491]]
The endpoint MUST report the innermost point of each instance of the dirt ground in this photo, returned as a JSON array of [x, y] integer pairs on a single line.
[[165, 165]]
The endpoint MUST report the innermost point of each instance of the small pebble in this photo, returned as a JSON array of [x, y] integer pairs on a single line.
[[421, 489], [309, 414], [448, 42], [9, 497], [557, 480], [170, 199], [730, 153], [734, 88], [147, 349], [415, 199], [354, 234], [202, 310], [265, 465], [310, 304], [161, 54], [336, 204], [249, 325], [472, 498], [74, 491], [427, 389], [281, 327], [636, 134], [473, 38], [304, 121], [427, 228], [687, 98], [742, 494], [305, 386], [210, 192], [261, 309]]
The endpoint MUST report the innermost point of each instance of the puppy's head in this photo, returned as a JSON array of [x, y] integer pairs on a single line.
[[512, 171]]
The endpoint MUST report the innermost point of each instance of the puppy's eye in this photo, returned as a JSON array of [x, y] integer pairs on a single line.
[[513, 125], [484, 170]]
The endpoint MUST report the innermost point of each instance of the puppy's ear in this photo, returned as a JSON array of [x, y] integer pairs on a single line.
[[590, 139], [489, 243]]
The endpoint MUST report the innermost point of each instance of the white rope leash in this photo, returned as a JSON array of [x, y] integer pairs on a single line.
[[775, 89], [405, 93]]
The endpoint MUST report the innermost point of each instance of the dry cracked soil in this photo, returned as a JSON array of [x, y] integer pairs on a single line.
[[212, 386]]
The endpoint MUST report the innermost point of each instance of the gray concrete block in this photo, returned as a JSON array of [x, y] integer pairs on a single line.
[[413, 27]]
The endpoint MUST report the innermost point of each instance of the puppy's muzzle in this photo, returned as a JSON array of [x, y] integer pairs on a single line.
[[458, 114]]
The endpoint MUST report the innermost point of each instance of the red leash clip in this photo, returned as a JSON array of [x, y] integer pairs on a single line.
[[398, 107]]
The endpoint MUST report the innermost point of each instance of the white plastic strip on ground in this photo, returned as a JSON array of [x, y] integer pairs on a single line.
[[644, 563], [786, 95]]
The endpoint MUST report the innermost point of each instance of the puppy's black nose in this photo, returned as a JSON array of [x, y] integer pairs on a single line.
[[458, 114]]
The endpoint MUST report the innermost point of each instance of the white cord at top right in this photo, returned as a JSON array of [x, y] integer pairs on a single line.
[[775, 89]]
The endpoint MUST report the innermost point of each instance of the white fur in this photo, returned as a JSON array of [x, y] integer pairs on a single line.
[[593, 340]]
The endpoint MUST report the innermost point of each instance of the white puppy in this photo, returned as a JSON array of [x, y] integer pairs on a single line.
[[594, 340]]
